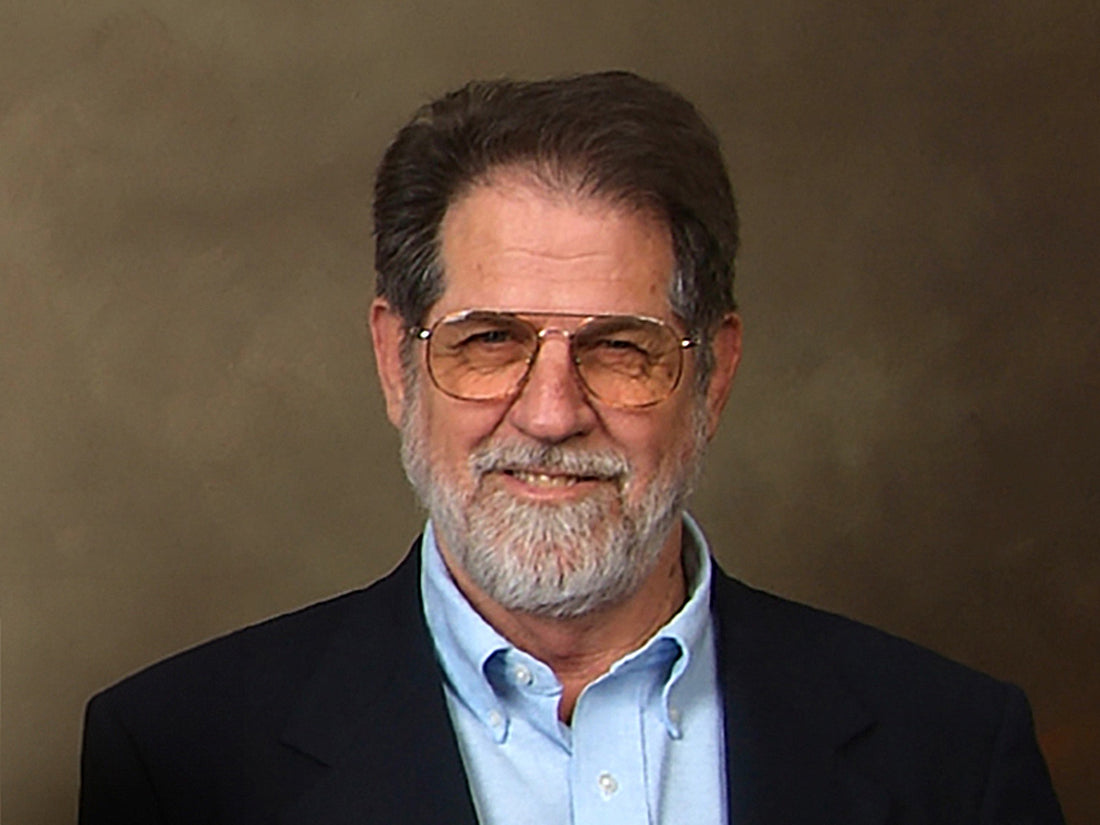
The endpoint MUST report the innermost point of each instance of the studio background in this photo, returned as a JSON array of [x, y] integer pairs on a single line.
[[191, 433]]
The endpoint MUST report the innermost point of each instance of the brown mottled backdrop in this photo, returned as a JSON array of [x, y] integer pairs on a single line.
[[191, 435]]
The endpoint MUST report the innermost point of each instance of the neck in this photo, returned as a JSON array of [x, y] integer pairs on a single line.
[[580, 649]]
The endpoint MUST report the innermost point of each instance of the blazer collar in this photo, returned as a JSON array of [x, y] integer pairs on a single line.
[[788, 717], [374, 713]]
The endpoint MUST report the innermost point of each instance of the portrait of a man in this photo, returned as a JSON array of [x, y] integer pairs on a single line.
[[556, 336]]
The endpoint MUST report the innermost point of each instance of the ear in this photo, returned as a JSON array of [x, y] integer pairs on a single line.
[[387, 329], [726, 345]]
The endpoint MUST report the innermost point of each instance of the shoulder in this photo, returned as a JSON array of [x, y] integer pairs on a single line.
[[267, 663], [892, 677], [209, 727], [936, 735]]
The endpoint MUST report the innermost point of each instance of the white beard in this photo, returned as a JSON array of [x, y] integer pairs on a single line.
[[554, 559]]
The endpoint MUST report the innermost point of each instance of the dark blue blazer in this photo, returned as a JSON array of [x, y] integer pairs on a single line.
[[335, 715]]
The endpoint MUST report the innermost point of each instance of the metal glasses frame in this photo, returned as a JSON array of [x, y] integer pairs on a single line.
[[425, 333]]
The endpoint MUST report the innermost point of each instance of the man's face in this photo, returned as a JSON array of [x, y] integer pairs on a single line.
[[550, 501]]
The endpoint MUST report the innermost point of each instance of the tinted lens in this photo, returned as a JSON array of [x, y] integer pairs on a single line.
[[627, 361], [480, 355]]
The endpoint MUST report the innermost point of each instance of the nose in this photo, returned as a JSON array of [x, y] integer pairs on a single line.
[[552, 405]]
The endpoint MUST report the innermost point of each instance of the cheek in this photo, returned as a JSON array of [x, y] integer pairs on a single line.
[[668, 442], [649, 443], [456, 428]]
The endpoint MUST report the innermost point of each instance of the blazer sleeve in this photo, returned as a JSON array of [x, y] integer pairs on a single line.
[[115, 788], [1019, 791]]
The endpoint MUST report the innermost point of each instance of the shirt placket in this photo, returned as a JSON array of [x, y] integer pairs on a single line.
[[607, 775]]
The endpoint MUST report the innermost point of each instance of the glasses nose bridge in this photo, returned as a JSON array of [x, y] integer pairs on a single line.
[[545, 332], [542, 334]]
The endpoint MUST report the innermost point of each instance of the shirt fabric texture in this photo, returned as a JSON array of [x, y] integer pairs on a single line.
[[645, 744]]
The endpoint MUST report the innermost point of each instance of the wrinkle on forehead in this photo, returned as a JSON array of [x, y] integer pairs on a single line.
[[560, 188], [516, 244], [549, 222]]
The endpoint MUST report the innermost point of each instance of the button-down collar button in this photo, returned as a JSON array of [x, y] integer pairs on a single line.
[[522, 674], [495, 718]]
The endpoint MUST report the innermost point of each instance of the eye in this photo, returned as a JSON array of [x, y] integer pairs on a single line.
[[483, 342], [622, 356], [621, 346], [487, 337]]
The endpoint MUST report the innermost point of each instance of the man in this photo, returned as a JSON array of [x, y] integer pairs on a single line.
[[556, 338]]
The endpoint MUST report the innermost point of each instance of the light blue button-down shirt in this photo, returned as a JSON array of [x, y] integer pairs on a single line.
[[645, 744]]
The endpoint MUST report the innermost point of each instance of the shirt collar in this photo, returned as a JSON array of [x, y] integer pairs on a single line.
[[465, 643]]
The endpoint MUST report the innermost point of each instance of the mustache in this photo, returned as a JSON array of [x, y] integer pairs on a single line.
[[552, 458]]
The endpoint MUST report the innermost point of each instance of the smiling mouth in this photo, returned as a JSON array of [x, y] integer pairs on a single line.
[[537, 478], [553, 470]]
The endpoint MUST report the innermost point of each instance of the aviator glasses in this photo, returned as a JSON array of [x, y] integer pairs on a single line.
[[623, 360]]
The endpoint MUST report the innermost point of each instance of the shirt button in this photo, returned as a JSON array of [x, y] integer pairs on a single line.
[[523, 675], [674, 715], [495, 719], [608, 784]]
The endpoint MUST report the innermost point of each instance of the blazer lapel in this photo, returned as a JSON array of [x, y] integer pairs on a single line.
[[375, 717], [788, 719], [375, 721]]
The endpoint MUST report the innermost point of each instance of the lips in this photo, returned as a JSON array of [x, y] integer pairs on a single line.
[[536, 478], [549, 467]]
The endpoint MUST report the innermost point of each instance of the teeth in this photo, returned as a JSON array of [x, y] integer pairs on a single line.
[[544, 479]]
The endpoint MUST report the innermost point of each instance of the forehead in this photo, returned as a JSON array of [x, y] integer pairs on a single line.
[[513, 243]]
